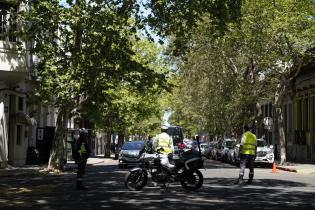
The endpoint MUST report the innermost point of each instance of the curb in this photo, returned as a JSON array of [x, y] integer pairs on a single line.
[[287, 169], [20, 173]]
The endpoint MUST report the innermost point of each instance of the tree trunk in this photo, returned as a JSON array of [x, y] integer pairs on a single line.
[[121, 139], [107, 145], [57, 157], [281, 131], [279, 116]]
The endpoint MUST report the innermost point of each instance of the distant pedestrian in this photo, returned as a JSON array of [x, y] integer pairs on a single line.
[[81, 154], [248, 149]]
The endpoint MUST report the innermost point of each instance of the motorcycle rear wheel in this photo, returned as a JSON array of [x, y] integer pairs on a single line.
[[136, 180], [192, 180]]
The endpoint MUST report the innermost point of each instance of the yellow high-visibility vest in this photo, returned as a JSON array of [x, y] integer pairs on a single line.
[[82, 149], [249, 143], [164, 141]]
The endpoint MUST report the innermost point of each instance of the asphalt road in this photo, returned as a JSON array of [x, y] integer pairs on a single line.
[[106, 190]]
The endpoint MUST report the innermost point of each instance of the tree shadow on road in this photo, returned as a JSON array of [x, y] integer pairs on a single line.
[[106, 190]]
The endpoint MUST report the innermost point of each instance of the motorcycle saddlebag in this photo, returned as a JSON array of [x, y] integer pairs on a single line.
[[194, 163]]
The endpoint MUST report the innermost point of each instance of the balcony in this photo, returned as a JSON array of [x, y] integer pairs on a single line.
[[13, 65]]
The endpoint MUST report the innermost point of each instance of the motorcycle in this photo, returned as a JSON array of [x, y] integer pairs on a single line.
[[185, 170]]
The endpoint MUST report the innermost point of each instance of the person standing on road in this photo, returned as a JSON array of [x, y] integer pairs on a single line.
[[163, 140], [248, 149], [82, 153]]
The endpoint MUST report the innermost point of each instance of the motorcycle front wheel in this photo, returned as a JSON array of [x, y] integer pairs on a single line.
[[191, 180], [136, 180]]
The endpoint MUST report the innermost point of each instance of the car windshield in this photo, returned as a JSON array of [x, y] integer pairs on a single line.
[[133, 146], [229, 144], [261, 143]]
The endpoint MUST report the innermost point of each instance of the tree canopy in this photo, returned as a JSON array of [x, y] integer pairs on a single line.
[[86, 51], [256, 59]]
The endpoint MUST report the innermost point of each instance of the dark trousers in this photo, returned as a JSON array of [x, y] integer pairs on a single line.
[[81, 169], [247, 160]]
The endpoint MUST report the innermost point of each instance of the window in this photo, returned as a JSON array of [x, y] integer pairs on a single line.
[[269, 110], [285, 116], [290, 118], [21, 104], [299, 114], [18, 134], [7, 21], [305, 114], [313, 107]]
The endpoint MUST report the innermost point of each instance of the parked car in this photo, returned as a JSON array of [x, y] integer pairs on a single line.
[[236, 154], [130, 154], [208, 150], [204, 147], [188, 143], [216, 152], [265, 153], [231, 153], [227, 144]]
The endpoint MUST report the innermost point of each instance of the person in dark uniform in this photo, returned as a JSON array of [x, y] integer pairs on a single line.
[[81, 154]]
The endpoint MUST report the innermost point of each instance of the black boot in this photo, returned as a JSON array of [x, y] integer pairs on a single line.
[[239, 181], [251, 177], [250, 181], [80, 186]]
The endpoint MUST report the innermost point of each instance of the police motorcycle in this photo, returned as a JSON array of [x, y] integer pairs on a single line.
[[185, 170]]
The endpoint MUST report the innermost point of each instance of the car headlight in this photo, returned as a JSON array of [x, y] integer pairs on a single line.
[[270, 155]]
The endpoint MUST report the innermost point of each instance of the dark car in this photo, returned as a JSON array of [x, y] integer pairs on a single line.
[[130, 154]]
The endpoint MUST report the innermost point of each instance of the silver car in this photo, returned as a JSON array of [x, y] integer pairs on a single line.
[[227, 145], [130, 154]]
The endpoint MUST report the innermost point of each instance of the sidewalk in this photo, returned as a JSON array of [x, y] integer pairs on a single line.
[[41, 169], [298, 168]]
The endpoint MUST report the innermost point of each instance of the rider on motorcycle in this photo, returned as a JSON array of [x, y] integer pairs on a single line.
[[164, 141]]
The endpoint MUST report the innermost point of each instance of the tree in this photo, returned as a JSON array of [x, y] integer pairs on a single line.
[[259, 56], [130, 108], [84, 50]]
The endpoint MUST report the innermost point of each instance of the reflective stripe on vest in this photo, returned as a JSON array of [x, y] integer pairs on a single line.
[[249, 144], [164, 141], [82, 149]]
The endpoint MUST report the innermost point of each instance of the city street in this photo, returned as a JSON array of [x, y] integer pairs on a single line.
[[106, 190]]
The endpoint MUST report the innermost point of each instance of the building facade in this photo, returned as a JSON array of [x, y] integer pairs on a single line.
[[13, 88], [24, 124], [299, 119]]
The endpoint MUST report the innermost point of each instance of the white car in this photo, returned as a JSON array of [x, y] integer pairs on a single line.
[[265, 153]]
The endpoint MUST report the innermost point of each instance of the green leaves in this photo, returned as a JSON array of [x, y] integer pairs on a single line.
[[233, 70]]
